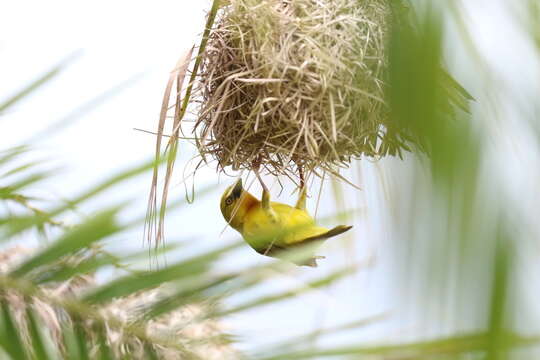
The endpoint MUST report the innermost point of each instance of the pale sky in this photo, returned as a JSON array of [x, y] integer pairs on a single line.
[[120, 39]]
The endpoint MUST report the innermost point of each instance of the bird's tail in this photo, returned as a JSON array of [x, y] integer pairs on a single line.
[[340, 229]]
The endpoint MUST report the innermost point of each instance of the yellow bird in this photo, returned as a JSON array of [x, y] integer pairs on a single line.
[[271, 228]]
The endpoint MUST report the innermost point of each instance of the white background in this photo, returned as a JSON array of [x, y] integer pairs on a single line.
[[121, 39]]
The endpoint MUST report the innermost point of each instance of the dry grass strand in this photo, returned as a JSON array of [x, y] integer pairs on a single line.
[[291, 84]]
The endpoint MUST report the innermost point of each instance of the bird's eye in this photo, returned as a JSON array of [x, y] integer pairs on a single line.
[[228, 201]]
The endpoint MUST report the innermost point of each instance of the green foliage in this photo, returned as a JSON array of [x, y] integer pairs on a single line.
[[53, 306], [33, 86], [84, 320]]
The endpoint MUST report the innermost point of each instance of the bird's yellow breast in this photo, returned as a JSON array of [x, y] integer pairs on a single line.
[[290, 226]]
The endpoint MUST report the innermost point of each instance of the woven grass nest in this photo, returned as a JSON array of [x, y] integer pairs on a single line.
[[289, 84]]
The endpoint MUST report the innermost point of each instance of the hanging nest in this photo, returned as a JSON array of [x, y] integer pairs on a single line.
[[294, 87], [296, 83]]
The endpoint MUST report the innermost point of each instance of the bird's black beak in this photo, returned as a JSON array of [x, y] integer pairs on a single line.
[[237, 190]]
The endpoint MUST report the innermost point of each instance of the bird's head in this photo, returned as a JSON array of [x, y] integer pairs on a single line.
[[235, 202]]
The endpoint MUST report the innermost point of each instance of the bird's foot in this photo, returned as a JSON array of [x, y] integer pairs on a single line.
[[301, 202], [312, 261]]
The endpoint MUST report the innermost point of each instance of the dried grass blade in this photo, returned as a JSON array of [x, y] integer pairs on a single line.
[[151, 230], [173, 146], [154, 229]]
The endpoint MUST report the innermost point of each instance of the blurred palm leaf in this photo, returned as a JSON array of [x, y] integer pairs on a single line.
[[29, 89], [52, 306]]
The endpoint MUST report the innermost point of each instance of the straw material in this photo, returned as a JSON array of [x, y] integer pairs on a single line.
[[295, 84], [184, 327]]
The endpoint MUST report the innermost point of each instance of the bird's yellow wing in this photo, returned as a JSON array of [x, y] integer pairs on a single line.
[[299, 224], [291, 227]]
